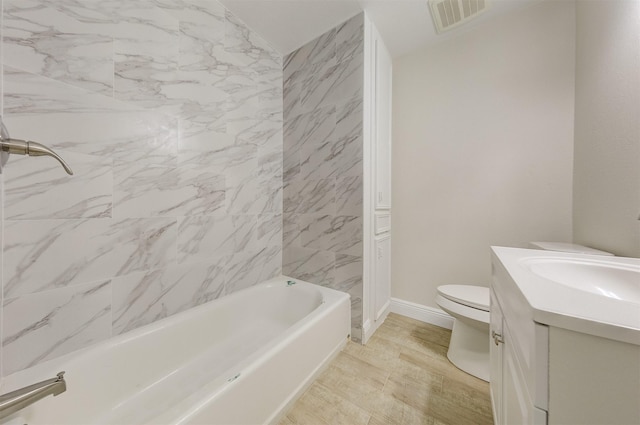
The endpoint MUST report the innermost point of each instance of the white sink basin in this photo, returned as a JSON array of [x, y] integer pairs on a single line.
[[619, 281]]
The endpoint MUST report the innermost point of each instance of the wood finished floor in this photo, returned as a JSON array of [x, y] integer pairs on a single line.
[[401, 377]]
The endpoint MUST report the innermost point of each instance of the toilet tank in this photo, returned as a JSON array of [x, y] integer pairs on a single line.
[[567, 247]]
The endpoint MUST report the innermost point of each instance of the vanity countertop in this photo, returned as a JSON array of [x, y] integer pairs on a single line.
[[560, 305]]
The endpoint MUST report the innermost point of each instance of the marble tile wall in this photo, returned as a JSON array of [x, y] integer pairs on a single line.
[[323, 140], [170, 114]]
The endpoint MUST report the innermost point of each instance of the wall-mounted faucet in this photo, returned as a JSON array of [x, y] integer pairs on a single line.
[[19, 399], [25, 147]]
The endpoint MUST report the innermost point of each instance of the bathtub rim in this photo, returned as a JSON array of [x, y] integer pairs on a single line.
[[42, 370], [254, 362]]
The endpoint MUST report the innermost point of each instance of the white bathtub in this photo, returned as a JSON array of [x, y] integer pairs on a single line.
[[237, 360]]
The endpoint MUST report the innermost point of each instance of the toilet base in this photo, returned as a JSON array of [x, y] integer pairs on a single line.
[[469, 350]]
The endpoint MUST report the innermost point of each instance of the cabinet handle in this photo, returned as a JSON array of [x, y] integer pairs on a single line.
[[497, 338]]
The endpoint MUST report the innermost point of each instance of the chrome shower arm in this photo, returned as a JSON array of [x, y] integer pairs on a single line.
[[26, 147]]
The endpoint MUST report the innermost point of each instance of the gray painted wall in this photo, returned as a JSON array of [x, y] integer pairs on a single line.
[[482, 148], [606, 194]]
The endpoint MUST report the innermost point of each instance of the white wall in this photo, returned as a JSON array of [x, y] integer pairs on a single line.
[[482, 151], [607, 127]]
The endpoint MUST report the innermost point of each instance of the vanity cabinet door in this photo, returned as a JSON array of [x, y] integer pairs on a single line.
[[510, 397], [495, 355], [517, 407]]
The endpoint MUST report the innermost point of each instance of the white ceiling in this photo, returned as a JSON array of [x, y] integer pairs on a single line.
[[404, 25]]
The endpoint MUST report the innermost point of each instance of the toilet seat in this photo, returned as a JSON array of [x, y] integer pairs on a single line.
[[471, 296]]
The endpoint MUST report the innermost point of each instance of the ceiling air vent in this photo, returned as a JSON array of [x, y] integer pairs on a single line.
[[448, 14]]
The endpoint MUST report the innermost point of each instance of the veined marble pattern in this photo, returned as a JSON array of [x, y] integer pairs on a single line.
[[255, 195], [270, 162], [349, 118], [250, 125], [336, 233], [292, 100], [146, 55], [42, 326], [1, 224], [170, 114], [310, 196], [118, 135], [322, 162], [290, 230], [196, 13], [196, 140], [245, 267], [201, 26], [342, 81], [290, 166], [356, 311], [40, 188], [42, 255], [310, 142], [347, 157], [144, 297], [320, 50], [312, 129], [347, 153], [348, 278], [349, 196], [257, 53], [36, 96], [77, 49], [309, 264], [235, 162], [200, 236], [348, 274], [269, 230], [158, 191], [350, 38]]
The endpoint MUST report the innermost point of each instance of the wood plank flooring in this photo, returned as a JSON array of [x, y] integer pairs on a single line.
[[401, 377]]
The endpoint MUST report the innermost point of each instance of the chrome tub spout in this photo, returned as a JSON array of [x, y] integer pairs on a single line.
[[19, 399]]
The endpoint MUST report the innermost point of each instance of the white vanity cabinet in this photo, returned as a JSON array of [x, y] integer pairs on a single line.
[[517, 372], [546, 366]]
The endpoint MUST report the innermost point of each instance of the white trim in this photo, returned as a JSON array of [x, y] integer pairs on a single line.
[[431, 315], [382, 220], [366, 332], [368, 263], [370, 328]]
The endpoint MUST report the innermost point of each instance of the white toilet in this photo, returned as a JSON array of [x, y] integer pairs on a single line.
[[469, 345], [469, 306]]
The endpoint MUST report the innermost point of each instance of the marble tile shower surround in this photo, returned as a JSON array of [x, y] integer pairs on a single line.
[[322, 163], [170, 114]]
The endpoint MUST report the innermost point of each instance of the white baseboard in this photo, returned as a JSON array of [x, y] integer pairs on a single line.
[[430, 315], [369, 327]]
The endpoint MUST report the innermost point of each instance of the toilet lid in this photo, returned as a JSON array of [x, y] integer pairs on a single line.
[[471, 296]]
